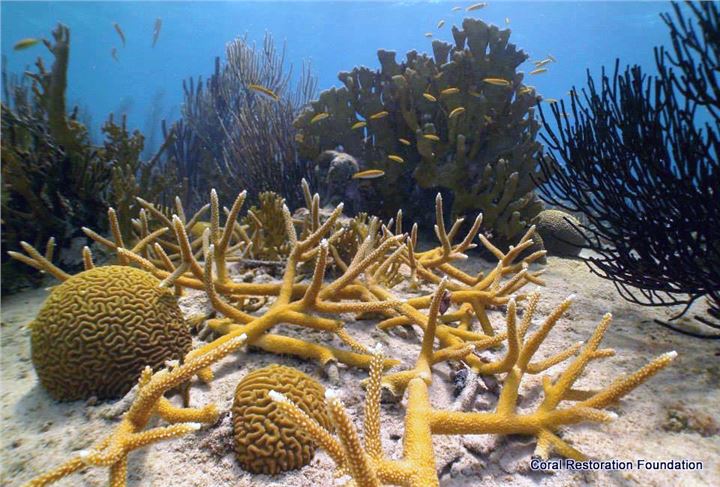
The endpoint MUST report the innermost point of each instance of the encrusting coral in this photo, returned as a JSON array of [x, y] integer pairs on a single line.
[[264, 441], [461, 120], [98, 329], [368, 465], [386, 257]]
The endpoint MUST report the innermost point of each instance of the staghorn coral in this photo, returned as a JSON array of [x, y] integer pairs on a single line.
[[264, 441], [453, 319], [368, 465], [100, 328], [433, 122], [384, 259]]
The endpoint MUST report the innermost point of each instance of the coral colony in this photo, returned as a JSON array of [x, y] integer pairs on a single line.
[[449, 318]]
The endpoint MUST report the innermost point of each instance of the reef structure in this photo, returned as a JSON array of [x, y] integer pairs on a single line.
[[460, 121], [453, 320]]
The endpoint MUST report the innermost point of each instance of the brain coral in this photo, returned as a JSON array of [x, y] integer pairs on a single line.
[[559, 236], [266, 440], [99, 329]]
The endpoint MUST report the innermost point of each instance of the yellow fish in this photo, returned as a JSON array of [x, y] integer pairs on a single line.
[[456, 9], [524, 91], [264, 91], [550, 100], [429, 97], [476, 6], [539, 71], [450, 91], [428, 34], [395, 158], [319, 116], [488, 119], [432, 137], [120, 32], [379, 115], [440, 24], [475, 94], [540, 64], [497, 81], [404, 141], [25, 43], [299, 137], [456, 112], [358, 125], [369, 174]]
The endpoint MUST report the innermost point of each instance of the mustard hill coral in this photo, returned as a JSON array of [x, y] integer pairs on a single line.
[[369, 466], [264, 440], [266, 227], [100, 328]]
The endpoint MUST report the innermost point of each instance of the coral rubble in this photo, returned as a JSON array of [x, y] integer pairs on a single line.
[[439, 121]]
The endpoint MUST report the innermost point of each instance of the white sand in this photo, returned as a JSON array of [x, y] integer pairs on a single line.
[[38, 433]]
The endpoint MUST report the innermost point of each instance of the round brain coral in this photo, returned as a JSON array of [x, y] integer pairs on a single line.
[[97, 331], [266, 441]]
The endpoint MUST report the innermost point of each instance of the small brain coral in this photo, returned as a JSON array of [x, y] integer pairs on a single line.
[[266, 440], [558, 234], [97, 331]]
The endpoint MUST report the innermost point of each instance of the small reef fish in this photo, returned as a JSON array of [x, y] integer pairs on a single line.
[[432, 137], [475, 94], [540, 64], [456, 9], [264, 91], [319, 116], [379, 115], [539, 71], [488, 119], [440, 24], [524, 91], [369, 174], [429, 97], [476, 6], [156, 30], [404, 141], [299, 137], [114, 55], [507, 20], [428, 34], [550, 100], [25, 43], [395, 158], [119, 32], [497, 81], [450, 91], [358, 125], [457, 111]]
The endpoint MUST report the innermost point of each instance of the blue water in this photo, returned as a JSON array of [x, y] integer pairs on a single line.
[[334, 36]]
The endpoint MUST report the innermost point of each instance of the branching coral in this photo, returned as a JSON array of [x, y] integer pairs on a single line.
[[364, 285], [368, 465]]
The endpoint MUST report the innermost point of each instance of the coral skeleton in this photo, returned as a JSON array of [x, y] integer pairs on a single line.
[[453, 319]]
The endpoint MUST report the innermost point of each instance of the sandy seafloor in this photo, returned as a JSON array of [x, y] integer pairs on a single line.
[[673, 416]]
